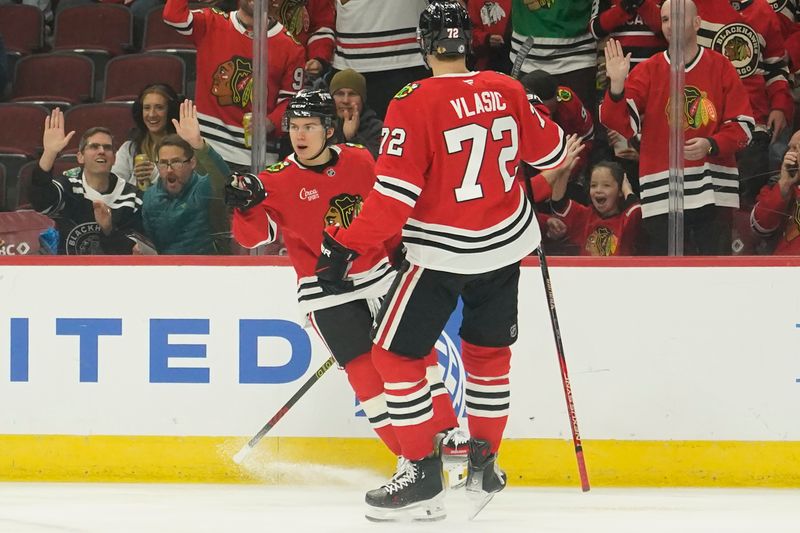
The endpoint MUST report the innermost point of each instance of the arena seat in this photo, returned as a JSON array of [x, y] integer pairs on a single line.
[[126, 76]]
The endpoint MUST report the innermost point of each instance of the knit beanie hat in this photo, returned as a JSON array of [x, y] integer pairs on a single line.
[[350, 79]]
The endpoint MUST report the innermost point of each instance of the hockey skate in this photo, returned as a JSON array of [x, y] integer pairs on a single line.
[[454, 450], [484, 476], [415, 492]]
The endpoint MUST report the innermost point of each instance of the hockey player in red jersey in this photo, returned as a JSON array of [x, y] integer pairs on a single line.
[[224, 88], [451, 148], [317, 186]]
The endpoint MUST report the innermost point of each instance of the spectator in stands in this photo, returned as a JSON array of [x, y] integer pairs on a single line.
[[312, 23], [360, 124], [153, 112], [184, 209], [224, 87], [562, 44], [610, 226], [777, 210], [717, 122], [748, 33], [491, 34], [567, 110], [636, 24], [378, 39], [92, 207]]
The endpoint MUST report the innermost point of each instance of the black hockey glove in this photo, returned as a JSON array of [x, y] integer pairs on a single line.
[[333, 264], [630, 6], [244, 191]]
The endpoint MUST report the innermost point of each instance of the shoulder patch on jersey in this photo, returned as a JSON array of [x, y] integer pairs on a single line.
[[277, 167], [563, 94], [406, 91], [73, 172], [218, 11], [355, 145]]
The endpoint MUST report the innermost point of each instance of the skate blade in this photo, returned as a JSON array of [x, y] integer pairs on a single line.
[[428, 511], [478, 502], [456, 475]]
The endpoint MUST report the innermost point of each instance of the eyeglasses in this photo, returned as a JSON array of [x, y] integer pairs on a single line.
[[174, 165], [97, 146]]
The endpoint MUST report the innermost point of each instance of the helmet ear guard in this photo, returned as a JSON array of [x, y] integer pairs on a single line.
[[445, 30]]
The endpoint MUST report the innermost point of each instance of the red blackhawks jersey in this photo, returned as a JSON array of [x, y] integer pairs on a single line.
[[301, 202], [489, 17], [716, 108], [751, 39], [639, 34], [773, 213], [313, 25], [573, 118], [598, 236], [446, 174], [224, 88]]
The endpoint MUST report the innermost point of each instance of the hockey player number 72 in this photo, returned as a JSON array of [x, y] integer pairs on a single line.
[[478, 135]]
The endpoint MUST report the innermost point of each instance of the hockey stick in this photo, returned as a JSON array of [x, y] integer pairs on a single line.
[[247, 448], [522, 54], [573, 419]]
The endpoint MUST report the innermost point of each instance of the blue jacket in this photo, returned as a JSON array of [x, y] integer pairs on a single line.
[[182, 225]]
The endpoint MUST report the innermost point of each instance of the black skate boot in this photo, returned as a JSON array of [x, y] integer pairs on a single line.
[[416, 492], [453, 447], [484, 477]]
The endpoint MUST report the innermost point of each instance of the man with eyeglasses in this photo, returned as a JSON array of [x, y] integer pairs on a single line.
[[93, 208], [183, 210]]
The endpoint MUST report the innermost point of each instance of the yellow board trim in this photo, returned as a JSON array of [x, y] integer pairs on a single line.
[[528, 462]]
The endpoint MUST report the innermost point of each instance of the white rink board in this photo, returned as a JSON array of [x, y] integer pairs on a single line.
[[654, 354]]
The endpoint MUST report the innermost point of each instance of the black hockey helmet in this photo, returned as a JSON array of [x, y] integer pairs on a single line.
[[444, 29], [311, 103]]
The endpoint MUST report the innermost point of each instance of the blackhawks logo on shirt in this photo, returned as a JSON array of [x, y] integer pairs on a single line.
[[232, 83], [407, 90], [342, 209], [739, 43], [698, 109], [602, 242], [535, 5], [777, 5]]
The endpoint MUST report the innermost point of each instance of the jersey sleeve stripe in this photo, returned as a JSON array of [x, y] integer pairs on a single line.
[[554, 158], [397, 189]]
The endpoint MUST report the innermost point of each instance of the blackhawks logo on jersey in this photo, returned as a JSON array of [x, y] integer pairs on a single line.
[[232, 83], [778, 5], [698, 109], [602, 242], [407, 90], [535, 5], [792, 230], [342, 209], [563, 94], [277, 167], [739, 43]]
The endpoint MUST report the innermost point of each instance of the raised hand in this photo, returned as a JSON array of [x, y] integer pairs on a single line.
[[618, 64], [54, 139], [189, 127]]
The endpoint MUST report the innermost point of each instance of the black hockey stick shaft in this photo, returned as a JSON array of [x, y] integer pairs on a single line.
[[522, 54], [285, 409], [562, 362]]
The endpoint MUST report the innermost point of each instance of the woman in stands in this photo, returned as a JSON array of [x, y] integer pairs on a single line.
[[153, 112]]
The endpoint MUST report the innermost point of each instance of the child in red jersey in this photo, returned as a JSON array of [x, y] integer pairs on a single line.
[[610, 226]]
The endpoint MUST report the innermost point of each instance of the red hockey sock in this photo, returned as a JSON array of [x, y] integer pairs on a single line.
[[408, 400], [444, 417], [488, 391], [368, 386]]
